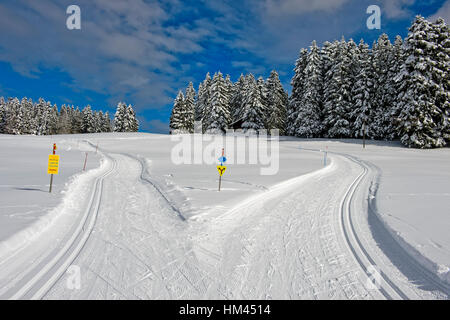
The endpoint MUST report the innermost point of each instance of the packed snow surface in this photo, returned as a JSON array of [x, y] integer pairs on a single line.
[[139, 226]]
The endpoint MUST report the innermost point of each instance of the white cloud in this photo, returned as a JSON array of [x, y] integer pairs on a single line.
[[122, 50], [443, 12], [395, 9], [295, 7]]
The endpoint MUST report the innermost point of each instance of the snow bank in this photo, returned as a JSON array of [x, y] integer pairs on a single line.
[[441, 271], [62, 215]]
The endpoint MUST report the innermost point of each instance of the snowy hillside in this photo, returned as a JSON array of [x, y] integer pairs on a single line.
[[138, 226]]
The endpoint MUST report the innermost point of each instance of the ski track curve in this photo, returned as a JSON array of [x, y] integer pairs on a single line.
[[306, 238], [41, 277]]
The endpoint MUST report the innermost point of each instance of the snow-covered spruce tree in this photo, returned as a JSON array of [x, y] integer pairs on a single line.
[[396, 67], [198, 114], [229, 86], [98, 117], [254, 110], [53, 117], [442, 52], [338, 93], [189, 109], [384, 95], [131, 122], [42, 115], [64, 120], [88, 123], [182, 118], [13, 116], [76, 120], [28, 120], [119, 117], [363, 92], [277, 101], [2, 115], [236, 103], [176, 118], [202, 104], [329, 59], [218, 118], [310, 109], [106, 123], [421, 114], [295, 100], [262, 89]]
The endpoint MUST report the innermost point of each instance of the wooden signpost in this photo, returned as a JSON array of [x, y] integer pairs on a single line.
[[53, 166]]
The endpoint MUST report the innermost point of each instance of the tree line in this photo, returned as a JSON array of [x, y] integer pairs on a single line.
[[391, 91], [248, 104], [42, 118]]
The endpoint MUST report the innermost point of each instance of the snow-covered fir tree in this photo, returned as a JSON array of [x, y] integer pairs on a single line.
[[106, 123], [53, 120], [229, 93], [189, 109], [254, 110], [399, 60], [182, 118], [310, 109], [338, 93], [98, 118], [442, 52], [13, 116], [2, 115], [217, 119], [131, 121], [203, 98], [76, 120], [363, 93], [176, 118], [277, 101], [28, 120], [88, 125], [420, 118], [262, 89], [64, 120], [384, 95], [295, 100], [119, 117], [236, 103]]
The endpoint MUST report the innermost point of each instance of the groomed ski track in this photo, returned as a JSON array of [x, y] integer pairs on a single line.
[[306, 238]]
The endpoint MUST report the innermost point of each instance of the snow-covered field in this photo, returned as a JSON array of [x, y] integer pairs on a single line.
[[141, 227], [24, 183]]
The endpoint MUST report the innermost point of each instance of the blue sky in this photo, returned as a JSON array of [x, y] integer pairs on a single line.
[[143, 52]]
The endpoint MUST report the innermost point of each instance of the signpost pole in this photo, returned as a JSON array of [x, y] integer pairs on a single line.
[[51, 176], [51, 183], [221, 164], [85, 161], [364, 135]]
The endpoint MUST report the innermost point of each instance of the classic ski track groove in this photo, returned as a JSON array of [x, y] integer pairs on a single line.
[[350, 230], [31, 289], [41, 283], [355, 245]]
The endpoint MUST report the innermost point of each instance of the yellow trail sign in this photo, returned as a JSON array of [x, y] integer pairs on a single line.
[[53, 164], [221, 170]]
